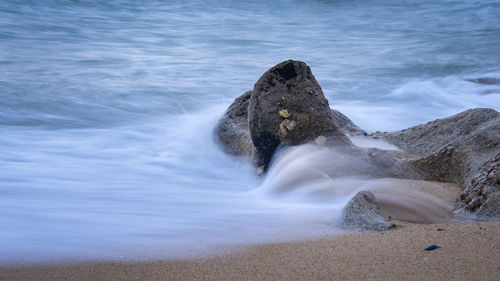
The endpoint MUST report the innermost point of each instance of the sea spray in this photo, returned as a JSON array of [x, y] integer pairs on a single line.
[[331, 176], [159, 189]]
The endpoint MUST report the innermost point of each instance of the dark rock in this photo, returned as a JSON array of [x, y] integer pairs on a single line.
[[485, 81], [232, 129], [362, 213], [289, 86], [234, 136]]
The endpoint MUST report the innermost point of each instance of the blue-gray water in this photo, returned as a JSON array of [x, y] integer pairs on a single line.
[[107, 110]]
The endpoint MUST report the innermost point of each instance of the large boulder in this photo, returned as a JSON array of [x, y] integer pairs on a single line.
[[362, 213], [457, 149], [233, 135], [288, 107]]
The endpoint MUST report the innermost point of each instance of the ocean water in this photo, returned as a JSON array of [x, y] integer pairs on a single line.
[[107, 110]]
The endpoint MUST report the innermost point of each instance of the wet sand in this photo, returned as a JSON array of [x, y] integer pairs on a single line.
[[470, 251]]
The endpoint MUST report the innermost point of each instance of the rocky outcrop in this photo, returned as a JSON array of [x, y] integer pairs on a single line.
[[362, 213], [457, 130], [453, 148], [457, 149], [288, 107]]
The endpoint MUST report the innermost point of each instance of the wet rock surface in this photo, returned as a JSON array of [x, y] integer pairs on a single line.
[[362, 213], [232, 129], [452, 149], [457, 149], [291, 87]]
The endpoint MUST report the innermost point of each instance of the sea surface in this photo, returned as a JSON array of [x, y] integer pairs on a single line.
[[107, 110]]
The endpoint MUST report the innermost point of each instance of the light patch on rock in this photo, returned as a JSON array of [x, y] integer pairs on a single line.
[[320, 140], [282, 132], [284, 113], [289, 124]]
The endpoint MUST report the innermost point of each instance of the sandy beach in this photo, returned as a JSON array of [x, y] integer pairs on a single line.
[[470, 251]]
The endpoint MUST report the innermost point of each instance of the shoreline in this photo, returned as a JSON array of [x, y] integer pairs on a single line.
[[470, 251]]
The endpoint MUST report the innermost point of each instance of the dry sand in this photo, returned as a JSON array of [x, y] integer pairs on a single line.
[[470, 251]]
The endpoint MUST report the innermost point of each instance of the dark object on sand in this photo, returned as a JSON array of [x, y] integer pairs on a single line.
[[432, 247], [440, 229]]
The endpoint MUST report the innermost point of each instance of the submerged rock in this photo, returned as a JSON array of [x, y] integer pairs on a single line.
[[485, 81], [362, 213], [288, 107]]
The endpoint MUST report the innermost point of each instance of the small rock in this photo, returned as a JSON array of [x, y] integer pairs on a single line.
[[362, 213], [432, 247]]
